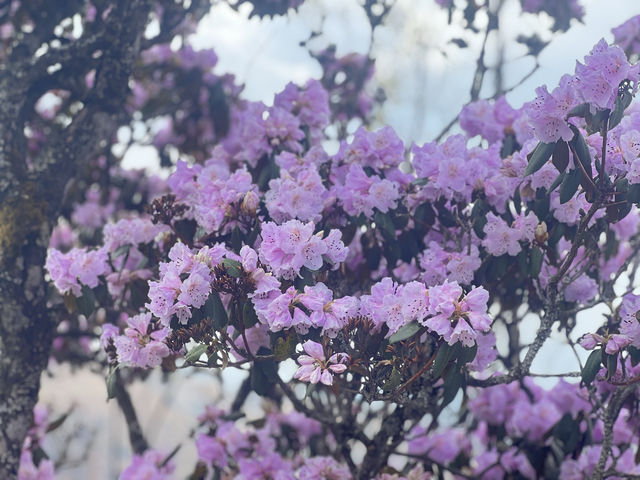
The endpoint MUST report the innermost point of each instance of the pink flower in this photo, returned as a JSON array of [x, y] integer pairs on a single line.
[[323, 468], [69, 271], [500, 238], [149, 466], [329, 314], [629, 323], [457, 318], [29, 471], [142, 345], [288, 247], [315, 367]]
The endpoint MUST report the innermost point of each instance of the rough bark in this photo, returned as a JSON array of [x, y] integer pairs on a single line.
[[31, 197]]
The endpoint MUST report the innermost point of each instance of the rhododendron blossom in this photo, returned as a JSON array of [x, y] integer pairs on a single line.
[[357, 305], [315, 367]]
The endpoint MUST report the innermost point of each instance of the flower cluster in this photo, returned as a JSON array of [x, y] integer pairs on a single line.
[[438, 264], [211, 191], [315, 367], [142, 344], [185, 282], [286, 248], [457, 317], [79, 266], [378, 259], [35, 467], [501, 238], [627, 35]]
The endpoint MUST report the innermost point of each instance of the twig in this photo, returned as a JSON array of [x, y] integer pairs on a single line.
[[136, 437]]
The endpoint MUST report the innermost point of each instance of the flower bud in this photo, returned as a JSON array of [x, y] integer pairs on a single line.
[[250, 203], [541, 234]]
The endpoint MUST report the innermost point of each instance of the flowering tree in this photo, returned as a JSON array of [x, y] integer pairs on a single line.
[[361, 293]]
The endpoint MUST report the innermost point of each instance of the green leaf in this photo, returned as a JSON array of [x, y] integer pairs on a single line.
[[535, 262], [582, 151], [400, 220], [560, 157], [591, 367], [539, 157], [285, 346], [70, 302], [87, 302], [420, 181], [596, 121], [406, 331], [633, 194], [623, 100], [498, 266], [372, 256], [213, 308], [57, 422], [567, 430], [139, 289], [195, 353], [446, 217], [112, 382], [581, 110], [143, 262], [453, 381], [424, 217], [634, 354], [541, 205], [409, 243], [509, 145], [121, 250], [479, 216], [394, 380], [467, 354], [570, 185], [556, 234], [385, 224], [233, 267], [236, 239], [249, 317], [442, 359], [611, 363], [263, 376], [557, 182], [38, 455]]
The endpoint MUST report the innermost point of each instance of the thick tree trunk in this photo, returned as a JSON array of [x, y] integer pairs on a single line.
[[30, 199]]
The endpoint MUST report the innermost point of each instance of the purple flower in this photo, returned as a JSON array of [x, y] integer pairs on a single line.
[[29, 471], [142, 345], [109, 332], [629, 323], [546, 114], [602, 72], [315, 367], [329, 314], [533, 420], [323, 468], [288, 247], [457, 318], [500, 238], [443, 447], [271, 466], [148, 466], [627, 35], [69, 271], [301, 197]]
